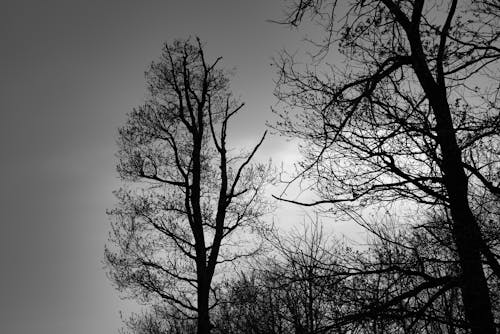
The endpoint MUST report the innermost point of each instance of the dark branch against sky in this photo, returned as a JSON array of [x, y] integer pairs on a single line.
[[70, 71]]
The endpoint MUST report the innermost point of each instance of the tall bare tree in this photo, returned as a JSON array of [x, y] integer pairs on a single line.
[[414, 115], [188, 197]]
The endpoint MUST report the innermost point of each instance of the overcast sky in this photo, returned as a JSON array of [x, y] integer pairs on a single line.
[[70, 71]]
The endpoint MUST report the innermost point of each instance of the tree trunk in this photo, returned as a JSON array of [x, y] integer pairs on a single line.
[[475, 293], [204, 326], [474, 288], [466, 232]]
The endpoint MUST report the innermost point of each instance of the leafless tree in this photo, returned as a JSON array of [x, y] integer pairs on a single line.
[[405, 280], [251, 307], [158, 320], [188, 199], [302, 271], [414, 115], [291, 290]]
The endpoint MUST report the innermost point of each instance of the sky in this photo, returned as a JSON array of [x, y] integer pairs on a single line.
[[70, 71]]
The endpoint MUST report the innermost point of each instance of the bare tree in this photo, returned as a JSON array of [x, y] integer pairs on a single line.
[[252, 306], [302, 272], [291, 290], [158, 320], [407, 281], [413, 116], [188, 198]]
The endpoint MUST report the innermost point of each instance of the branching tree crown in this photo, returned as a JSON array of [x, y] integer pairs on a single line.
[[188, 199], [414, 115]]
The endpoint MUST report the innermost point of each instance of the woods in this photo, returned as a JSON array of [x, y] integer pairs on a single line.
[[397, 107]]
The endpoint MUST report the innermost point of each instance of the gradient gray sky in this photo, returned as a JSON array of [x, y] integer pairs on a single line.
[[70, 71]]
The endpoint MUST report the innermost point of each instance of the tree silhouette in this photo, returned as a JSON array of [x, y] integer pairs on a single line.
[[188, 199], [407, 281], [159, 320], [413, 116], [291, 290]]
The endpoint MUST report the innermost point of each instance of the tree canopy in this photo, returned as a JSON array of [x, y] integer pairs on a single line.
[[188, 198], [414, 115]]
